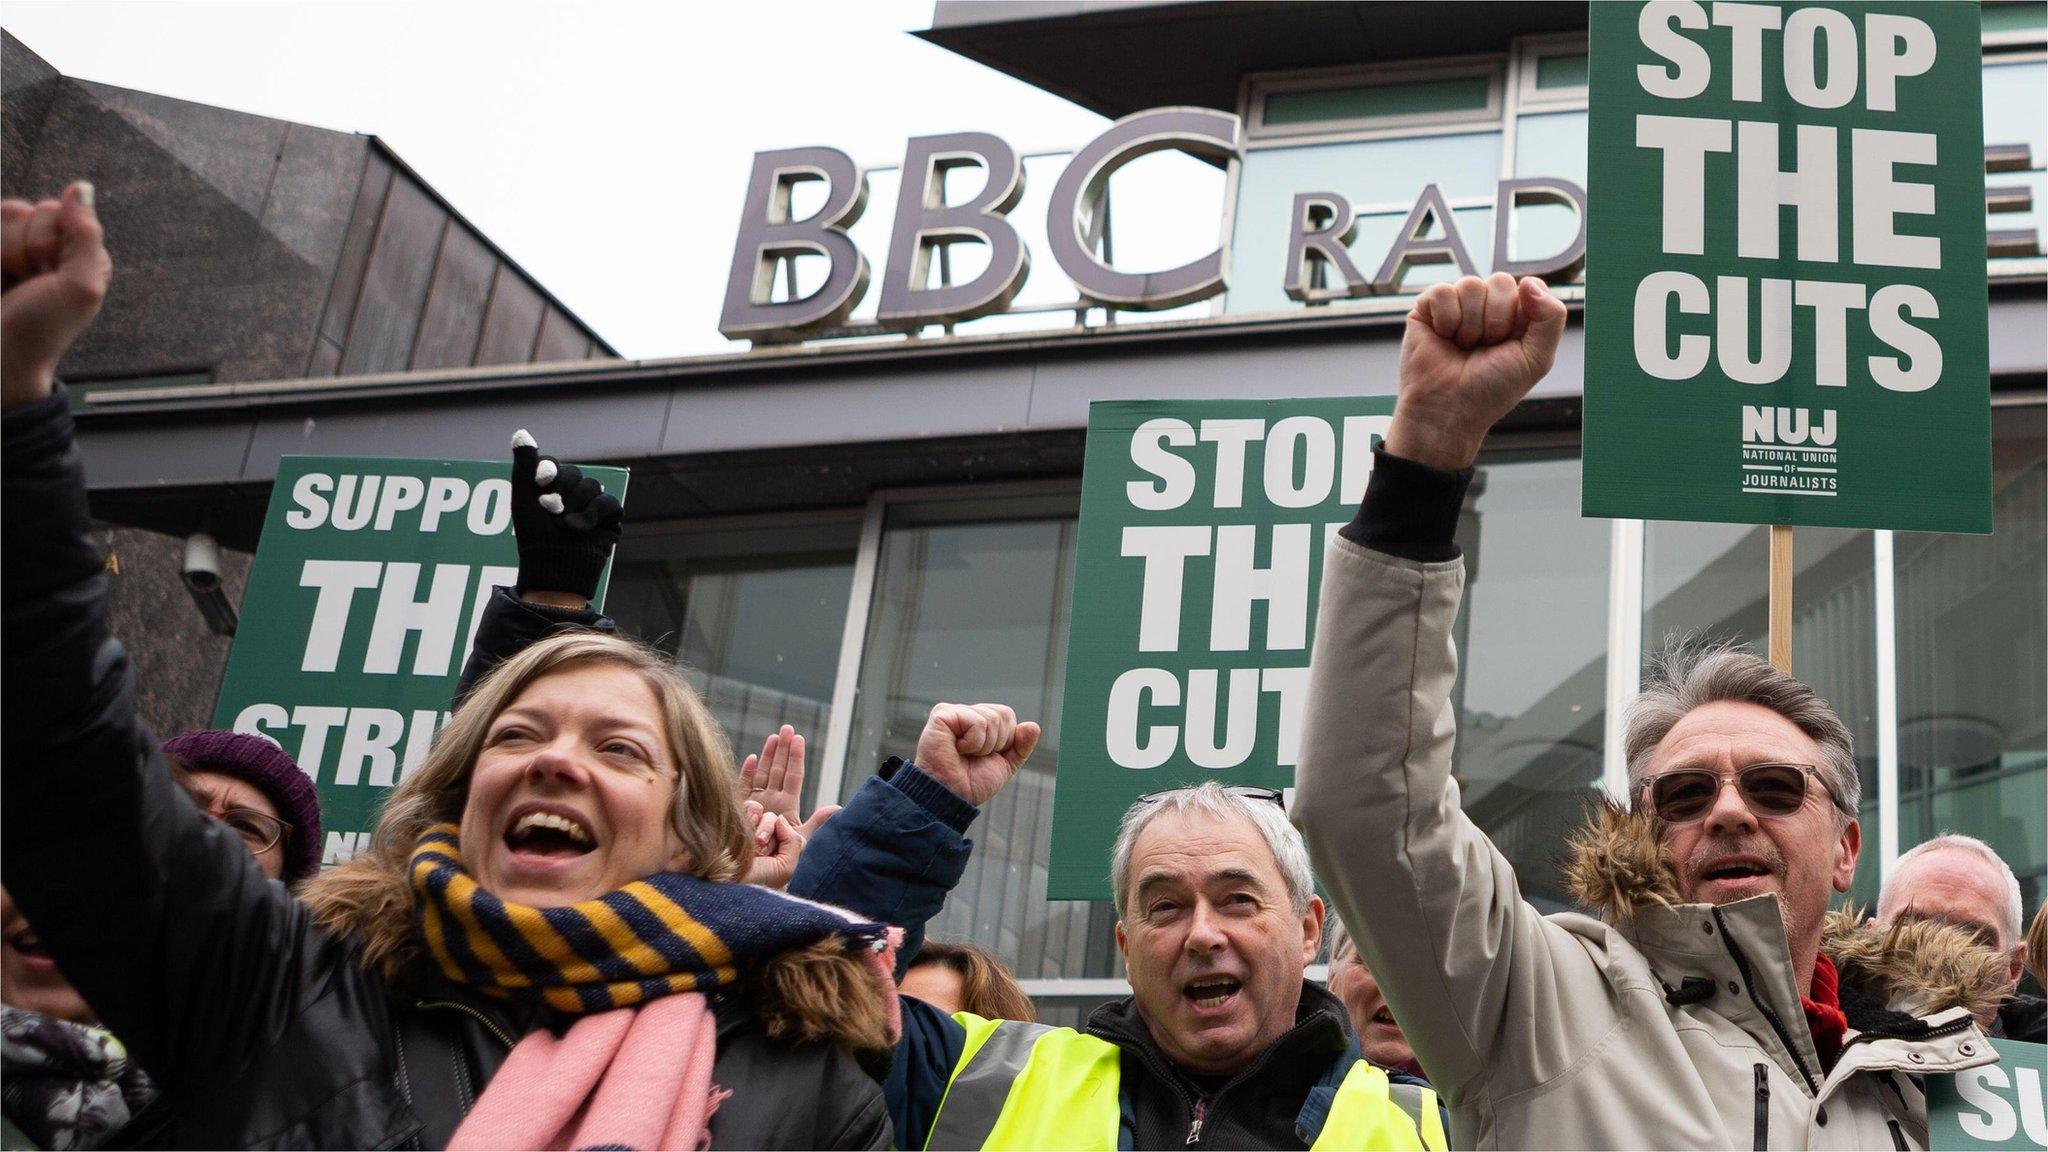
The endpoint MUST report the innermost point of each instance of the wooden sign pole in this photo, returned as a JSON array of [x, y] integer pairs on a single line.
[[1781, 597]]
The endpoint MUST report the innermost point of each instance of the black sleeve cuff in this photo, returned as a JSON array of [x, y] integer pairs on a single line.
[[1410, 510], [34, 432], [931, 795]]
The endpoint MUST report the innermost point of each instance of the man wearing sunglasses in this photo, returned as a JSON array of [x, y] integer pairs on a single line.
[[1713, 1002]]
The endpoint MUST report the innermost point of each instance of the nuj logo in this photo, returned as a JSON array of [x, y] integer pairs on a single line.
[[1792, 427], [1788, 451]]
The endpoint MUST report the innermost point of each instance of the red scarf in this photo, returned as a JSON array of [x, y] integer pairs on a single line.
[[1823, 1006]]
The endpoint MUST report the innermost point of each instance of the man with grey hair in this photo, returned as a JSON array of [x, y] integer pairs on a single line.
[[1704, 1007], [1959, 880], [1222, 1043]]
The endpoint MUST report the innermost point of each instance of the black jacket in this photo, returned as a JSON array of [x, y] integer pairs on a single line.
[[263, 1029], [2023, 1017]]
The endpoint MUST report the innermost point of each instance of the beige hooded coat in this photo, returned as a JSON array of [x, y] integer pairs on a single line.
[[1663, 1026]]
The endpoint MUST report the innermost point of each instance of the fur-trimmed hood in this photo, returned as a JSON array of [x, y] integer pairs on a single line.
[[1615, 865]]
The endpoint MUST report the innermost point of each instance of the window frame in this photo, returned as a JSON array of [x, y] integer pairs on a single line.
[[1530, 52], [1256, 88]]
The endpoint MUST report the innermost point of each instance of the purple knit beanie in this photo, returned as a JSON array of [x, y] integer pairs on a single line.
[[263, 764]]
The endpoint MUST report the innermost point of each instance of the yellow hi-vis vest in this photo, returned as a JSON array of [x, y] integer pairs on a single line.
[[1032, 1086]]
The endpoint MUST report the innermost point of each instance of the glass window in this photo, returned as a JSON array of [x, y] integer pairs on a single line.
[[1561, 71], [971, 603], [2016, 112], [1711, 582], [1532, 668], [1552, 144], [1973, 688], [1381, 178], [1379, 101], [755, 626], [2027, 16]]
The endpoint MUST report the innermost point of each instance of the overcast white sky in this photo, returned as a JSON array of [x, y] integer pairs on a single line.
[[604, 145]]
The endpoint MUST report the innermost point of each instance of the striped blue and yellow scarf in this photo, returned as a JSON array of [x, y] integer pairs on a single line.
[[668, 933]]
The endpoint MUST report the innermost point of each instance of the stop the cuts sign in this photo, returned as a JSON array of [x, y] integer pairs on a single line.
[[1786, 319]]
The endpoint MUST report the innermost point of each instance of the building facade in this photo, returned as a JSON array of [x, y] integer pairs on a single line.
[[854, 519]]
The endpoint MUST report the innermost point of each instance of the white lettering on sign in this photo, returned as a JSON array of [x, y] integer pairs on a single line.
[[1212, 715], [376, 748], [1303, 456], [1996, 1121], [354, 503], [454, 602], [1819, 58], [1221, 725]]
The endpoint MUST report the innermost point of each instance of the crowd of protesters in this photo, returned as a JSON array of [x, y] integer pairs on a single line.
[[580, 924]]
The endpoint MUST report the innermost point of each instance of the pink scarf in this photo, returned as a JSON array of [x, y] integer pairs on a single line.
[[636, 1077]]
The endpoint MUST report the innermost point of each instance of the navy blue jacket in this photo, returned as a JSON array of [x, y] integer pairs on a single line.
[[895, 852]]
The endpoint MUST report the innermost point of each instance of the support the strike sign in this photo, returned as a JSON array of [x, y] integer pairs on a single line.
[[1786, 317], [362, 600], [1203, 525]]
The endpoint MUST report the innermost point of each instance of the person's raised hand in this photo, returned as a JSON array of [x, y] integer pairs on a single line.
[[778, 845], [54, 270], [974, 749], [1473, 349], [774, 779], [566, 525]]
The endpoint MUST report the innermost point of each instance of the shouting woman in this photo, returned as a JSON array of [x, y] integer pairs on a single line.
[[547, 944]]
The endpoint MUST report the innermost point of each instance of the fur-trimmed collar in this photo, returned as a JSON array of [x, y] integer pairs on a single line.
[[1615, 865]]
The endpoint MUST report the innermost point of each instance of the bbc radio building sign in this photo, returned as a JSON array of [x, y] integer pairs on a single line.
[[873, 500]]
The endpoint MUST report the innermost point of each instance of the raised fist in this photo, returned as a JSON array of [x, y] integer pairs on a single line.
[[566, 525], [974, 749], [1473, 349], [54, 270]]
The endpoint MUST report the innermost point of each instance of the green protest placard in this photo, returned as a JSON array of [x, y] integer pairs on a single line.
[[1785, 303], [1201, 540], [366, 588], [2002, 1105]]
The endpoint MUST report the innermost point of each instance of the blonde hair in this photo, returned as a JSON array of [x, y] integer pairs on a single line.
[[370, 897]]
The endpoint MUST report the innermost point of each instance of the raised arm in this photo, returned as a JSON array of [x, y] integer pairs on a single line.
[[566, 526], [155, 912], [1437, 911], [895, 851]]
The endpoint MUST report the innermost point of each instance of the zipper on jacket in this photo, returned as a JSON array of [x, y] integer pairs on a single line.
[[1898, 1137], [1762, 1136], [489, 1025], [1770, 1014], [1195, 1132], [1947, 1029]]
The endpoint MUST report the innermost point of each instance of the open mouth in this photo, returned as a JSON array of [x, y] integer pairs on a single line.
[[1209, 992], [1734, 870], [549, 834]]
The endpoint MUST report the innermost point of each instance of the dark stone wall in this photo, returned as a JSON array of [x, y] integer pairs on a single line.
[[250, 248], [178, 661]]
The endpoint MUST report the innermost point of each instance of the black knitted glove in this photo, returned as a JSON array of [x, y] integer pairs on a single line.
[[566, 523]]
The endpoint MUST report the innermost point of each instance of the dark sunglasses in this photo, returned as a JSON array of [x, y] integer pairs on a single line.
[[1272, 795], [1688, 794]]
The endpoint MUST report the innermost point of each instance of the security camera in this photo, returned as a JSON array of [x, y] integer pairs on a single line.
[[202, 579]]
